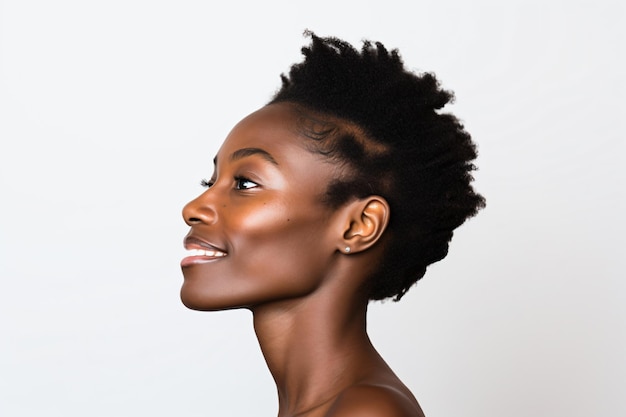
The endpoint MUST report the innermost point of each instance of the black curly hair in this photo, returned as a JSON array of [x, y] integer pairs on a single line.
[[382, 123]]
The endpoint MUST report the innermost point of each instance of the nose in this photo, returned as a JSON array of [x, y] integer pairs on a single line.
[[200, 210]]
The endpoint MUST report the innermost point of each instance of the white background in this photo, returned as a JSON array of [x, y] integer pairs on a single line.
[[111, 111]]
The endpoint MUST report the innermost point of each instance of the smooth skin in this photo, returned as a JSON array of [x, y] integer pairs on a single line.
[[274, 248]]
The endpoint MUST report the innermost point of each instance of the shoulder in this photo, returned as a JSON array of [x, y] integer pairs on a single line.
[[374, 401]]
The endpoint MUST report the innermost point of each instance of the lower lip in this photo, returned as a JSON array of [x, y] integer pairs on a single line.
[[195, 260]]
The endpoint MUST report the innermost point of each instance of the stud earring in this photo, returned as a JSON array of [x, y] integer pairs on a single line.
[[347, 249]]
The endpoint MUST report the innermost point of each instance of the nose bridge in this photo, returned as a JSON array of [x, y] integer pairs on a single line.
[[200, 210]]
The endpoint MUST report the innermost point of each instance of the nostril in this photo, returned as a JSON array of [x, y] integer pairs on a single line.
[[200, 211]]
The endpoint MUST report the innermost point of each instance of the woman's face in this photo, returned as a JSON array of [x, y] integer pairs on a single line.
[[260, 232]]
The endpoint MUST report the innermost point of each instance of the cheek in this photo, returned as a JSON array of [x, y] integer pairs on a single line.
[[273, 220], [276, 238], [258, 222]]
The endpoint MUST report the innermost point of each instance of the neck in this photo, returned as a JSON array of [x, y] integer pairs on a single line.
[[314, 349]]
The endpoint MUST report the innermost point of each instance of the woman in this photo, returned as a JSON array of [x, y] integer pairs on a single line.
[[341, 190]]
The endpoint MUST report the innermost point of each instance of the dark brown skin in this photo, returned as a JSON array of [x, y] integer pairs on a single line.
[[282, 254]]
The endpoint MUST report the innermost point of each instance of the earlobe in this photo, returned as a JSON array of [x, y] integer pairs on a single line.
[[367, 220]]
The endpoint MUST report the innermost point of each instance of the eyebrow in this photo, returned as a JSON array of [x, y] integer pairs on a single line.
[[244, 152]]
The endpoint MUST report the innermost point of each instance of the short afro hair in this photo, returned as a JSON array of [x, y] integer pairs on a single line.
[[383, 123]]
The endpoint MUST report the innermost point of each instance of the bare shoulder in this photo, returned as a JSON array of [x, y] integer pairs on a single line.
[[366, 400]]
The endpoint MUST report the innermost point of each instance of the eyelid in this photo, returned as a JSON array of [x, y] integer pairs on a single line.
[[238, 179], [241, 179]]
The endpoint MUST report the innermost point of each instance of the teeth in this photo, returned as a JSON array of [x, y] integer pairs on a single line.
[[209, 253]]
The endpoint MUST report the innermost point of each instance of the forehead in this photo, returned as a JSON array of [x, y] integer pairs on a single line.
[[275, 130], [273, 125]]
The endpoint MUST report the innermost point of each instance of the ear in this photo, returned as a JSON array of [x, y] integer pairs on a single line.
[[366, 220]]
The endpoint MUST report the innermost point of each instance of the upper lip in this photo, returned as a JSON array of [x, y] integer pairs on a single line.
[[193, 242]]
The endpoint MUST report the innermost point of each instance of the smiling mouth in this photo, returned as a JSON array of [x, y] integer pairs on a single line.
[[206, 253], [199, 256]]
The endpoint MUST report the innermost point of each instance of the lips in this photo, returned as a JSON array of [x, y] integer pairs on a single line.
[[201, 252]]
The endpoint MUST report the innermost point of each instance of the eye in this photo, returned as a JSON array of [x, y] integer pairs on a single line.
[[242, 183], [207, 184]]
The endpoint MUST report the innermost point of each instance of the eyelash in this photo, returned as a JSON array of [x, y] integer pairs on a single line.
[[238, 182], [206, 184]]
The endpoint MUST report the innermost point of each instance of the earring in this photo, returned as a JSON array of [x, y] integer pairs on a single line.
[[347, 249]]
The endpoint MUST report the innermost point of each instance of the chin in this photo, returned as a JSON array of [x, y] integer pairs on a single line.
[[194, 300]]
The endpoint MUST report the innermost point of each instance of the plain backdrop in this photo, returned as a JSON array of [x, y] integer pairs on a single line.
[[111, 112]]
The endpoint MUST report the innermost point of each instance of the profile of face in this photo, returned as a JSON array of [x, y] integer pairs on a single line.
[[260, 233]]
